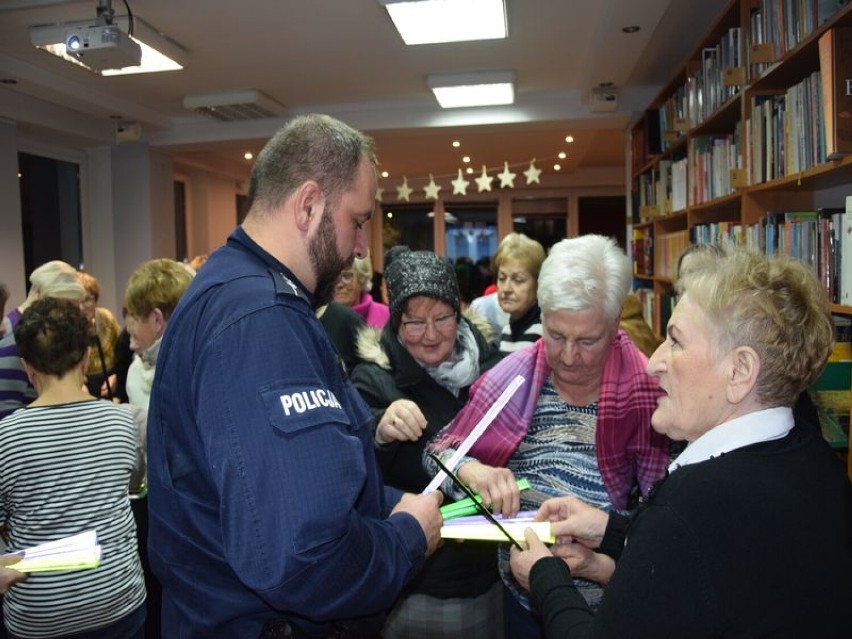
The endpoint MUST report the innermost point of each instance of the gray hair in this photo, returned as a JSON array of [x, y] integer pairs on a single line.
[[310, 147], [57, 279], [585, 272]]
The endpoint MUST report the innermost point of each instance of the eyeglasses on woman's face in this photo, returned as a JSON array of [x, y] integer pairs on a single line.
[[417, 327]]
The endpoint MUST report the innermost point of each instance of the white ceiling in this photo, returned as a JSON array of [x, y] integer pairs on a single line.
[[344, 57]]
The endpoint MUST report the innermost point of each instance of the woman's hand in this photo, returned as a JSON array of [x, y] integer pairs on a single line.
[[521, 562], [9, 576], [403, 421], [575, 520], [583, 561], [497, 487]]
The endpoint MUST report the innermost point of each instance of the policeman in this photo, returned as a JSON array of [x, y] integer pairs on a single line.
[[268, 516]]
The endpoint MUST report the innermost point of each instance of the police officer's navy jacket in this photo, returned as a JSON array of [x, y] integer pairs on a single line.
[[265, 498]]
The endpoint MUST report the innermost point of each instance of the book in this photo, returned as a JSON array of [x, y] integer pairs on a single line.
[[465, 507], [845, 281], [835, 64], [77, 552], [479, 528]]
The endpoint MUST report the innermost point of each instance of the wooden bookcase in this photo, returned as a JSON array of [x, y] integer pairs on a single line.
[[699, 160], [730, 196]]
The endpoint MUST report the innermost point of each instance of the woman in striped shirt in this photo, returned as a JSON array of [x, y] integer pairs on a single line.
[[67, 459], [517, 264]]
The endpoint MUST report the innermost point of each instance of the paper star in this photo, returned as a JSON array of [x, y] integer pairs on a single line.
[[431, 189], [507, 178], [484, 180], [532, 173], [403, 191], [460, 185], [379, 192]]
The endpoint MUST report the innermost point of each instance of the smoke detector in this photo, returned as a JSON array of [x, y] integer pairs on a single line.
[[235, 105]]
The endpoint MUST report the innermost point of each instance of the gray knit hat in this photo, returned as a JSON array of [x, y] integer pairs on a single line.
[[413, 273]]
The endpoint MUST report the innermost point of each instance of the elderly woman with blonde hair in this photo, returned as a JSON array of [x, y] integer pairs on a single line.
[[517, 265], [52, 279], [353, 290], [750, 534]]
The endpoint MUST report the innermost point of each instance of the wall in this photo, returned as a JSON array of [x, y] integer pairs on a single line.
[[11, 247]]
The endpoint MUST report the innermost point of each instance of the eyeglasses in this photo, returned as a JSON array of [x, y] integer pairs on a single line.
[[347, 276], [417, 327]]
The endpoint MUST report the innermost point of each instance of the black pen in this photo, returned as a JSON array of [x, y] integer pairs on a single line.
[[467, 491]]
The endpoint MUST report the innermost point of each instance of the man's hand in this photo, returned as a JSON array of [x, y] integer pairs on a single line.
[[403, 421], [497, 487], [425, 509], [521, 562]]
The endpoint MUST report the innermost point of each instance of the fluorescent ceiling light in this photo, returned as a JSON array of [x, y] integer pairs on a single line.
[[159, 53], [473, 89], [434, 21]]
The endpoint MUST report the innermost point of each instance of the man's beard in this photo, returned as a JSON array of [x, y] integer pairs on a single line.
[[327, 262]]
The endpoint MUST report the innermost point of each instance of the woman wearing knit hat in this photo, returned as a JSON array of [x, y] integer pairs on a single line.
[[415, 374]]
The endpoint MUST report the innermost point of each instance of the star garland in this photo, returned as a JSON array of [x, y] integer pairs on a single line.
[[460, 185]]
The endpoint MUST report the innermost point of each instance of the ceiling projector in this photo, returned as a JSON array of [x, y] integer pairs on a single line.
[[102, 47]]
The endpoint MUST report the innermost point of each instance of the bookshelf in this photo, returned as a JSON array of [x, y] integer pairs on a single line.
[[748, 143], [737, 133]]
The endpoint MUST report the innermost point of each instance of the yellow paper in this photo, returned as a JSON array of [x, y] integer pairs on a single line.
[[486, 531]]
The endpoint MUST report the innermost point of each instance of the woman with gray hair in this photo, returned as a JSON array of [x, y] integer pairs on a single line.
[[52, 279], [581, 422], [750, 534]]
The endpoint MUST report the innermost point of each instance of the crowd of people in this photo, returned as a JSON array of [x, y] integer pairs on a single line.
[[254, 446]]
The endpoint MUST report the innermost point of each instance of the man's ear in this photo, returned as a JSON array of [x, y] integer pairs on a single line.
[[309, 203], [743, 368]]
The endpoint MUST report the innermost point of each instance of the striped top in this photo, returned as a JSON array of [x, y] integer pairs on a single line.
[[558, 458], [64, 470], [15, 388], [523, 332]]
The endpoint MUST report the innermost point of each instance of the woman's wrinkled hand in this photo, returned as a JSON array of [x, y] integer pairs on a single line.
[[574, 519], [497, 487], [402, 421], [583, 561], [522, 561]]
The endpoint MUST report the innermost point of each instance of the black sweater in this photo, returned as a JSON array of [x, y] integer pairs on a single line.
[[387, 374], [756, 542]]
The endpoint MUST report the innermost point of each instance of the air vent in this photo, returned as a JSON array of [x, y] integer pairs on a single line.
[[235, 105]]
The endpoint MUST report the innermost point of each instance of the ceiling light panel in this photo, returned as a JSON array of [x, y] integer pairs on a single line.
[[437, 21], [473, 89]]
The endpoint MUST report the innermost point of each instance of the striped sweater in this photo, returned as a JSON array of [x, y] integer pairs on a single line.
[[65, 469]]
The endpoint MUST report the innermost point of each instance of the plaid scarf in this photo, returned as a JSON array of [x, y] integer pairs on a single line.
[[628, 450]]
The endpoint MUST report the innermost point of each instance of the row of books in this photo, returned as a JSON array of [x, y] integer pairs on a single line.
[[820, 238], [711, 161], [783, 24], [714, 83], [786, 133], [648, 299]]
